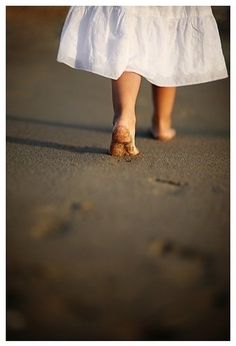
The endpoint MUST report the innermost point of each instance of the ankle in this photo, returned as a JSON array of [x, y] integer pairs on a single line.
[[128, 119], [161, 123]]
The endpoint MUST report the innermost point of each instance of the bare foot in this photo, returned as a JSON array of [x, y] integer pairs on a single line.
[[164, 135], [122, 143], [163, 131], [123, 137]]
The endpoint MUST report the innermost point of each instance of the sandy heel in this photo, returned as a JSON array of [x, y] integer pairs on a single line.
[[122, 143]]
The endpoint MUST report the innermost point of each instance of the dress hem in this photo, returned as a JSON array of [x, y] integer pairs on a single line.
[[207, 77]]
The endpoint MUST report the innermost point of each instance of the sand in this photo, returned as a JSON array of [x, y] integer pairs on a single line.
[[107, 248]]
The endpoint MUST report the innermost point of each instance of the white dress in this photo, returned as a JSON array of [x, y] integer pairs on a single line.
[[168, 45]]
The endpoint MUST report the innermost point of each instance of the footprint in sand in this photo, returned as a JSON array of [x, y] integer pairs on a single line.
[[81, 206], [181, 265], [56, 220], [167, 186], [217, 189], [50, 220]]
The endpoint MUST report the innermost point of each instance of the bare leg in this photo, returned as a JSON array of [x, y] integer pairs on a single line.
[[124, 94], [163, 102]]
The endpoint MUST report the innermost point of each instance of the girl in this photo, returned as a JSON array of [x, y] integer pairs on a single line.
[[168, 45]]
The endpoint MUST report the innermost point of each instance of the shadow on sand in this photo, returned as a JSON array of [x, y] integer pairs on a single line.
[[140, 132], [71, 148]]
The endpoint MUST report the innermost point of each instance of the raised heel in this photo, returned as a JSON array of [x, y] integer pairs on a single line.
[[165, 135]]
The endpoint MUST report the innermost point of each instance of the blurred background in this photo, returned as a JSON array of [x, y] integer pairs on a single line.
[[104, 248]]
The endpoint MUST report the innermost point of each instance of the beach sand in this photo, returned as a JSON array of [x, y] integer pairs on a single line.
[[106, 248]]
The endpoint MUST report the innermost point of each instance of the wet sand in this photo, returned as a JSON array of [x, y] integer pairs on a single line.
[[105, 248]]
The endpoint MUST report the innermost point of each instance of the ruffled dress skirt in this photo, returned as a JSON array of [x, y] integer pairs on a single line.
[[167, 45]]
